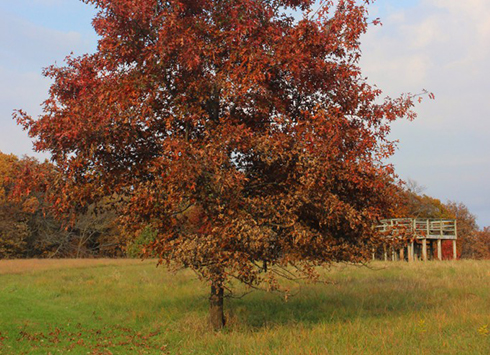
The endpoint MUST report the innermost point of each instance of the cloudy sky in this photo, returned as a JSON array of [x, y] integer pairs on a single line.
[[439, 45]]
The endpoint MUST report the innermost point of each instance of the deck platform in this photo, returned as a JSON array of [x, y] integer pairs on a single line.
[[424, 232]]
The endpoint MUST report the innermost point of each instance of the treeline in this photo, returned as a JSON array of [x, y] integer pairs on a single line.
[[473, 243], [29, 229]]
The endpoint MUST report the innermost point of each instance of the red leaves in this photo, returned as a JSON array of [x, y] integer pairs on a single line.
[[238, 133], [93, 340]]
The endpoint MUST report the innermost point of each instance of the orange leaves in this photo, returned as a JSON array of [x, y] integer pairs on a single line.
[[238, 133]]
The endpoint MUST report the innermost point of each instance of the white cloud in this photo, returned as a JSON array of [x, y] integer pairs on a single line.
[[441, 45], [25, 48], [26, 45], [19, 91]]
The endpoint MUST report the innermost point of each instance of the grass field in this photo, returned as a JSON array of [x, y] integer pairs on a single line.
[[131, 307]]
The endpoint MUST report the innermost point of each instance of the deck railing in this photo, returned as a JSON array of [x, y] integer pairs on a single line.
[[421, 228]]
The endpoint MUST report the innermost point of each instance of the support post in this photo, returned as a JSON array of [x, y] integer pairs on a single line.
[[439, 249], [455, 252], [424, 249], [402, 253], [385, 252], [410, 251]]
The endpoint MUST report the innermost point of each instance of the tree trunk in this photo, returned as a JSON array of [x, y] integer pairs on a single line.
[[216, 313]]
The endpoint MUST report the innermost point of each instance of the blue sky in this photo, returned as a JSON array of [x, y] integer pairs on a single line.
[[439, 45]]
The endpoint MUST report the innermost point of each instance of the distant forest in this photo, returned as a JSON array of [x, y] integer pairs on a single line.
[[30, 228]]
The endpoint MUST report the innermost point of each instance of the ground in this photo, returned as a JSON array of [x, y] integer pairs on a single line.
[[132, 307]]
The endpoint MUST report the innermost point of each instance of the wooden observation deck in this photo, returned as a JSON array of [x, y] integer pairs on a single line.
[[423, 232]]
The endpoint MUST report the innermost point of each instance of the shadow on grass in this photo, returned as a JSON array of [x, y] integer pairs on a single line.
[[380, 297], [184, 299], [330, 304]]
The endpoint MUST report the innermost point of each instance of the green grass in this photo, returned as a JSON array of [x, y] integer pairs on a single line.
[[135, 308]]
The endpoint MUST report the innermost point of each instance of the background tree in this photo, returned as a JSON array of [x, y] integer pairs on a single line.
[[412, 203], [13, 226], [481, 246], [28, 228], [467, 228], [24, 225], [247, 139]]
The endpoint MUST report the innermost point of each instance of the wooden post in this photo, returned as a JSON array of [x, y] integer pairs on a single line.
[[385, 252], [455, 253], [410, 251], [439, 249], [393, 254], [456, 229], [402, 253], [424, 249], [374, 255]]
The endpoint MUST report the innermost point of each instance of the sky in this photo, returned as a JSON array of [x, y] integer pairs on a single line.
[[438, 45]]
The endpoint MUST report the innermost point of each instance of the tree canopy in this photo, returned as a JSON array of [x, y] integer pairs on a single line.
[[245, 137]]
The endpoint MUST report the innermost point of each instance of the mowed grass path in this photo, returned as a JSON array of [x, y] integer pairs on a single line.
[[132, 307]]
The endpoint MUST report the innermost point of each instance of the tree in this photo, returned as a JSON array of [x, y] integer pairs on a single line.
[[23, 220], [481, 246], [28, 229], [412, 203], [246, 139], [13, 227], [467, 228]]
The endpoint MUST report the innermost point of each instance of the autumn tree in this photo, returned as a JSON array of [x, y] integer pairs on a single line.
[[13, 227], [481, 246], [247, 139], [22, 219], [411, 202], [27, 226], [467, 228]]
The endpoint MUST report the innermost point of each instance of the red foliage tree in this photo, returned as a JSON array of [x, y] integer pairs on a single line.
[[246, 139], [13, 226], [467, 229], [482, 244], [28, 188], [18, 212]]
